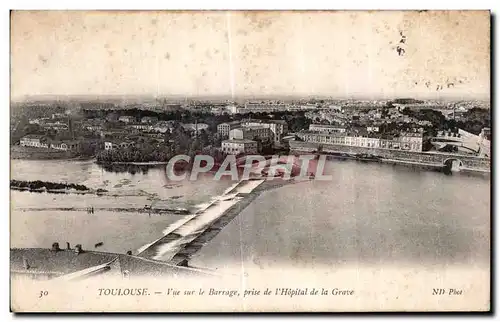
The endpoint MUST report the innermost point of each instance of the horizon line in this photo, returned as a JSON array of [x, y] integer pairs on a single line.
[[91, 97]]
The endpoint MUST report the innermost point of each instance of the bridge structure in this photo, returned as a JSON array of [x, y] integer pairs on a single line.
[[456, 161]]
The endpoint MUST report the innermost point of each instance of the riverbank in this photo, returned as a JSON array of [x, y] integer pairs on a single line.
[[53, 187], [140, 210], [31, 153], [151, 163]]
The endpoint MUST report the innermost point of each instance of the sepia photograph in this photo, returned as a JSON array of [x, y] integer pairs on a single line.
[[250, 161]]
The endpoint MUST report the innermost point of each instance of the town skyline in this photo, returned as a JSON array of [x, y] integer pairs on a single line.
[[215, 98]]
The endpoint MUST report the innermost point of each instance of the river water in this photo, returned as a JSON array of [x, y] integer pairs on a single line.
[[118, 231], [368, 213]]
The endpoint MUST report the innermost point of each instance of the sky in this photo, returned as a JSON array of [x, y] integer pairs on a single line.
[[344, 54]]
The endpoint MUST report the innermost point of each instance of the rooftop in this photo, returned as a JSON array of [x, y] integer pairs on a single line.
[[231, 123], [265, 121], [328, 126], [239, 141], [322, 134], [34, 136], [255, 127], [62, 262]]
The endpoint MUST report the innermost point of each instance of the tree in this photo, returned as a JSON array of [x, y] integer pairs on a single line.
[[203, 138]]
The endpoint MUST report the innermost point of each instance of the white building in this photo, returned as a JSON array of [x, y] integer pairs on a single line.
[[411, 141], [224, 128], [362, 141], [142, 127], [127, 119], [33, 140], [239, 146], [326, 128], [250, 133], [232, 109], [149, 119], [64, 145], [39, 120], [110, 145], [278, 127], [406, 141], [163, 127]]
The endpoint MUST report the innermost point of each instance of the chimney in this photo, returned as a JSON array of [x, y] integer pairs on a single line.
[[68, 247], [78, 248], [26, 265], [55, 247]]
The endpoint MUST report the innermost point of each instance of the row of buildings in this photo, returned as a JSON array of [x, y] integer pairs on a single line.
[[241, 135], [373, 117], [42, 142], [268, 107], [147, 124], [324, 134]]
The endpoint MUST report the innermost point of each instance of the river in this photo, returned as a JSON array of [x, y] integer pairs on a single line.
[[118, 231], [368, 213]]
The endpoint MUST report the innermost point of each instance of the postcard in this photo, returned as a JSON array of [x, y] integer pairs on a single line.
[[250, 161]]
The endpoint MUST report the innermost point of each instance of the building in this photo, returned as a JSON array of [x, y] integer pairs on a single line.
[[127, 144], [485, 142], [411, 141], [149, 119], [335, 108], [363, 141], [94, 127], [33, 140], [59, 115], [77, 263], [485, 134], [239, 146], [322, 128], [250, 133], [264, 106], [232, 109], [113, 145], [110, 145], [64, 145], [278, 127], [194, 127], [39, 121], [58, 125], [224, 128], [406, 141], [325, 138], [163, 127], [146, 127], [127, 119]]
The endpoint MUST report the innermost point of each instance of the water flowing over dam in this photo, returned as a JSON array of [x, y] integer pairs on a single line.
[[172, 243]]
